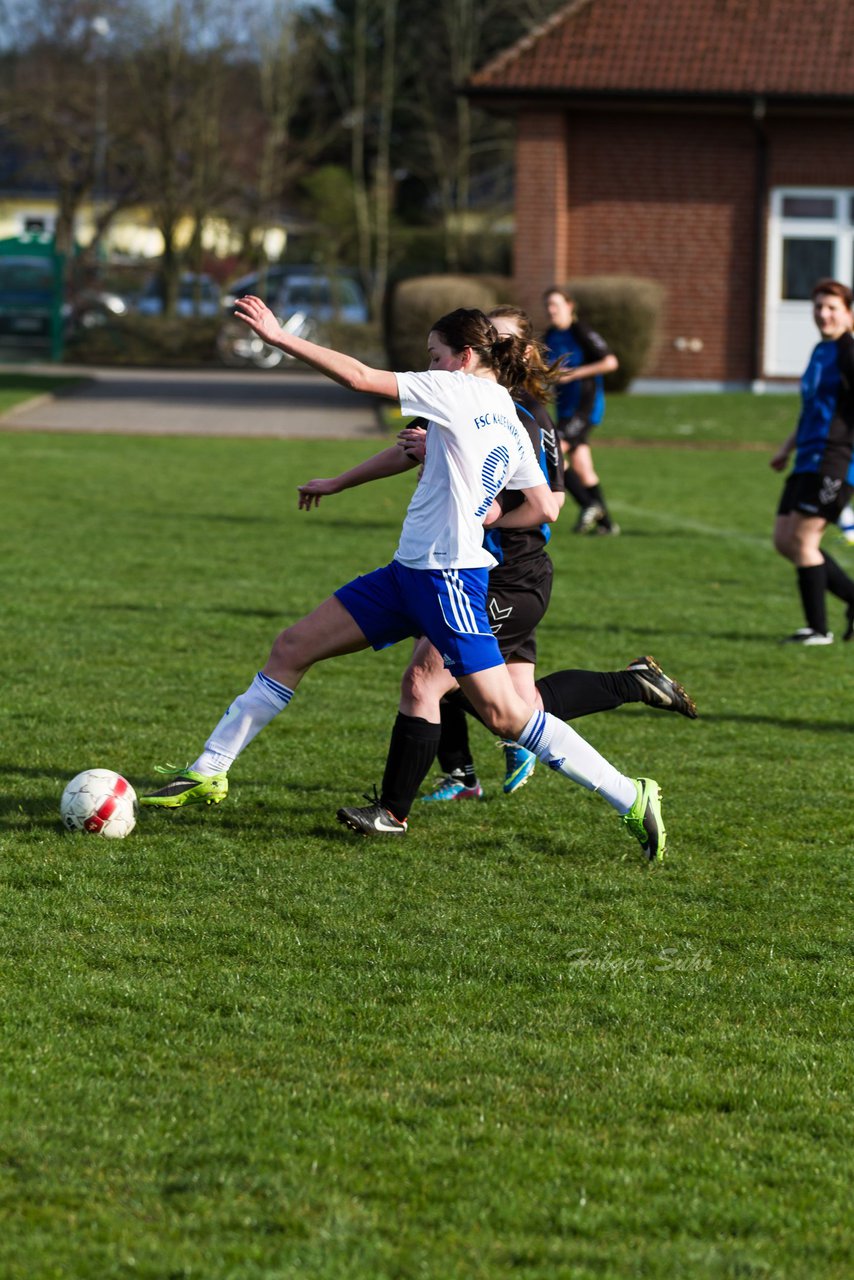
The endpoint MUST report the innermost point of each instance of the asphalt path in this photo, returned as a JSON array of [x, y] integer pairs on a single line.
[[293, 403]]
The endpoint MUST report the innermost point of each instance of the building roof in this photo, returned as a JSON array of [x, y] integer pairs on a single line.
[[790, 48]]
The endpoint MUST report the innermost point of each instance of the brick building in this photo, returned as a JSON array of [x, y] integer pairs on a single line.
[[707, 144]]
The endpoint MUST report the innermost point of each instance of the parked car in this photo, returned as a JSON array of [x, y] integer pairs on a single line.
[[27, 300], [302, 302], [198, 295], [323, 297], [274, 277], [92, 307], [239, 346]]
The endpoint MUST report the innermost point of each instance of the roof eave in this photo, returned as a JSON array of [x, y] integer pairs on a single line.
[[511, 98]]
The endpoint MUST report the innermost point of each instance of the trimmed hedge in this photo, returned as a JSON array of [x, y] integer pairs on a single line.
[[146, 340], [626, 311], [414, 305]]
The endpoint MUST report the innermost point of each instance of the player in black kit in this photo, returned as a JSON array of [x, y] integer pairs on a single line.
[[822, 480], [584, 358]]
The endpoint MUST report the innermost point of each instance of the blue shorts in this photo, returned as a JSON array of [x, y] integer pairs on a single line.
[[448, 606]]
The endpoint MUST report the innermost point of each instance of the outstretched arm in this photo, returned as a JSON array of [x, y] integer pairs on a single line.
[[390, 462], [335, 364]]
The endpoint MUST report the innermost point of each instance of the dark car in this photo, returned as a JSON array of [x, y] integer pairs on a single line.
[[27, 301]]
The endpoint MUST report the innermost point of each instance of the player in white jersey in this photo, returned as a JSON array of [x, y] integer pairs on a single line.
[[436, 584]]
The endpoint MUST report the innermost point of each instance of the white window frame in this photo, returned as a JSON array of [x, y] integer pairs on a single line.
[[839, 228]]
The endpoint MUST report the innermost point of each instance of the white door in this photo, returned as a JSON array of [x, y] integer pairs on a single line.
[[810, 235]]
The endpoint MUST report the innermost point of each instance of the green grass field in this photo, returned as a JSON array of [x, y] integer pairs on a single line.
[[245, 1043]]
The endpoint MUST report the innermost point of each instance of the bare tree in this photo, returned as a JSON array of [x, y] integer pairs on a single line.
[[50, 100], [280, 53], [361, 67], [179, 81], [450, 143]]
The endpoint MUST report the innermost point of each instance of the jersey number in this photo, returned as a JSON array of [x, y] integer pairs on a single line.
[[494, 473]]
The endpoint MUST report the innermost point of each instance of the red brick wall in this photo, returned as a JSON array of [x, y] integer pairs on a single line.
[[542, 204], [669, 196], [811, 153]]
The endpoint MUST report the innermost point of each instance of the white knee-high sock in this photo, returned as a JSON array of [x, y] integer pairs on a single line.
[[564, 750], [245, 718]]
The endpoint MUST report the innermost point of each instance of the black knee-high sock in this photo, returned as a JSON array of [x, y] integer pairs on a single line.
[[454, 751], [411, 752], [576, 488], [570, 694], [838, 582], [812, 581]]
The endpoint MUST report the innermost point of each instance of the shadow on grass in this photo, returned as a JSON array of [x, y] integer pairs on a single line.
[[646, 634], [276, 615], [781, 722], [18, 815]]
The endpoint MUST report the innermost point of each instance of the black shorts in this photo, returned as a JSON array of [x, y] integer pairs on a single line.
[[812, 494], [575, 430], [515, 609]]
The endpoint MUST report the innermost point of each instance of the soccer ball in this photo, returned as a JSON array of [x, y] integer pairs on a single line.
[[99, 802]]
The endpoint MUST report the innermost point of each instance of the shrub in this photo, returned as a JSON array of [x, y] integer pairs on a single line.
[[626, 310], [151, 340], [413, 305], [146, 340], [362, 341]]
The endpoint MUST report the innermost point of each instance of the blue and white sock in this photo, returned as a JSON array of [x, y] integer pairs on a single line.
[[243, 720], [565, 751]]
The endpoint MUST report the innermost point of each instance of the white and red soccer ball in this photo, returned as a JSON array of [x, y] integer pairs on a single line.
[[99, 802]]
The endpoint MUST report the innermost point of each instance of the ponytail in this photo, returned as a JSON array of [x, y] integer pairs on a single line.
[[469, 327]]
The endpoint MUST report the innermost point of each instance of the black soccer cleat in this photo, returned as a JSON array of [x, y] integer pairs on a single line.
[[372, 819], [658, 690]]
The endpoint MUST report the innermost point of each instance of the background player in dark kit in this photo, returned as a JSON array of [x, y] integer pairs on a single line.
[[586, 357], [821, 480]]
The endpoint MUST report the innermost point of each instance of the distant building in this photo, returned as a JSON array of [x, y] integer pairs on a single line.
[[132, 233], [707, 144]]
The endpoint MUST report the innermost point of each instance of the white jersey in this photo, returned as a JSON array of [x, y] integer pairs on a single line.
[[475, 446]]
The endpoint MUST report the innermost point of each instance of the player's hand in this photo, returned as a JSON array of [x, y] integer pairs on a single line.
[[259, 317], [413, 442], [778, 462], [311, 493]]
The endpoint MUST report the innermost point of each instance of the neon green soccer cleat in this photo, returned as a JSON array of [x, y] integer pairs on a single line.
[[187, 787], [645, 822]]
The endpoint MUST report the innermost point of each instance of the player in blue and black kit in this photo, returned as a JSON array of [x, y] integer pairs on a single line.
[[585, 358], [822, 479]]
